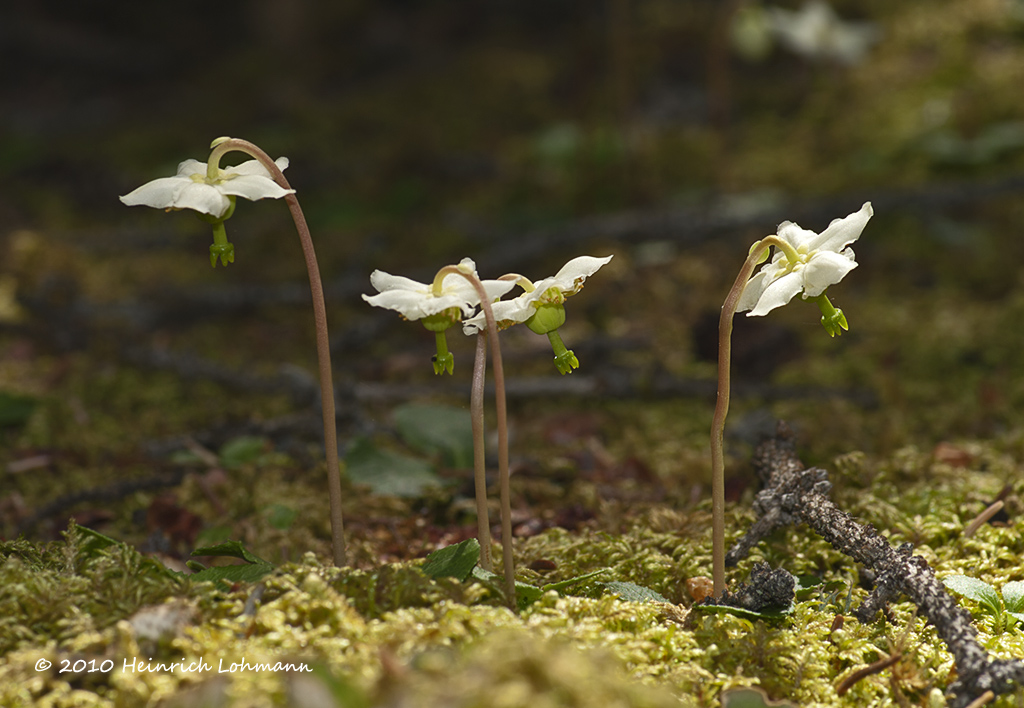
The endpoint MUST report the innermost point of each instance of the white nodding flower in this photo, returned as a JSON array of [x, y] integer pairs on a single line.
[[193, 189], [550, 291], [414, 300], [816, 32], [816, 261]]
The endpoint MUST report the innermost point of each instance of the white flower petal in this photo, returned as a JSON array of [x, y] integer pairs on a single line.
[[159, 194], [385, 282], [416, 300], [777, 293], [190, 167], [497, 288], [515, 310], [816, 32], [842, 232], [253, 187], [201, 197], [179, 193], [414, 306], [455, 284], [570, 277], [249, 167], [825, 269], [793, 235], [189, 190], [752, 291], [568, 281]]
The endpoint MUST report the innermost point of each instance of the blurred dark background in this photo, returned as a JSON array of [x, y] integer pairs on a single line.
[[671, 133]]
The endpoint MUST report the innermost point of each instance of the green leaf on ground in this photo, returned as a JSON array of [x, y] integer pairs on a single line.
[[1013, 597], [388, 472], [526, 593], [438, 429], [91, 542], [229, 549], [251, 571], [456, 561], [977, 590], [248, 573], [631, 592]]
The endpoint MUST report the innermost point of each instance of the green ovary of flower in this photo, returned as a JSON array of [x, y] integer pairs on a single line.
[[547, 318]]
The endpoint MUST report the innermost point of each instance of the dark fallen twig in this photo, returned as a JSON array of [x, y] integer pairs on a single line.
[[767, 590], [794, 494]]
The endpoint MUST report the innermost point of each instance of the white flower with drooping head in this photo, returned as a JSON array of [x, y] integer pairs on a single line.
[[810, 264], [541, 306], [550, 291], [816, 32], [192, 187], [414, 300], [438, 305]]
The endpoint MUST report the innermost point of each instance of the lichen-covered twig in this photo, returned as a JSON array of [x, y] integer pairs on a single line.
[[793, 493]]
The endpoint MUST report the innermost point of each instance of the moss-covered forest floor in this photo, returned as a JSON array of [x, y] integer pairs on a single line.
[[171, 406]]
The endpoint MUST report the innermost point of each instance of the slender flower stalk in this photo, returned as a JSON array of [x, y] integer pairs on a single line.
[[504, 486], [805, 263], [476, 408], [323, 342], [722, 410], [211, 191]]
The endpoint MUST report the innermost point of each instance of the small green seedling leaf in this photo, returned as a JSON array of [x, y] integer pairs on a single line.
[[1013, 597], [526, 593], [806, 585], [241, 450], [455, 561], [631, 592], [230, 574], [743, 612], [438, 429], [977, 590], [251, 571], [229, 549], [565, 584], [751, 697], [388, 472], [91, 542]]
